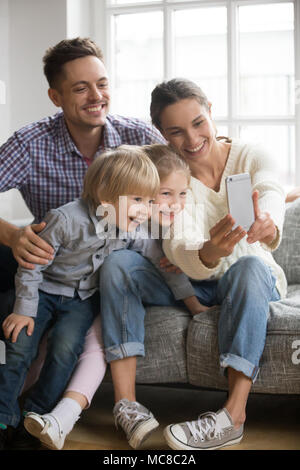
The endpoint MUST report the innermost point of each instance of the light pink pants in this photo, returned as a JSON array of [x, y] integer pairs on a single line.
[[90, 368]]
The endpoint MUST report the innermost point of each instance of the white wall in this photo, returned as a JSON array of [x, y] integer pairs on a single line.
[[34, 26], [78, 18], [4, 70], [27, 29]]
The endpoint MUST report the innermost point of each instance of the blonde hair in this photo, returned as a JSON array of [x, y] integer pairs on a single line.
[[120, 172], [166, 161]]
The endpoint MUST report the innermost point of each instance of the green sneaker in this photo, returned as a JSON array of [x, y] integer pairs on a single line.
[[211, 431], [136, 421]]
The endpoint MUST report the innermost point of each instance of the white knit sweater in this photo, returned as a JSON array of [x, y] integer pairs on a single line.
[[205, 207]]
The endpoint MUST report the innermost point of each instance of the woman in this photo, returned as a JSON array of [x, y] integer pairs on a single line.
[[242, 276]]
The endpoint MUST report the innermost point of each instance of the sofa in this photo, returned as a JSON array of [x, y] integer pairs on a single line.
[[181, 349]]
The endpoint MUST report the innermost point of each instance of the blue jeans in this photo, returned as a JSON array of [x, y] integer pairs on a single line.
[[129, 282], [69, 320]]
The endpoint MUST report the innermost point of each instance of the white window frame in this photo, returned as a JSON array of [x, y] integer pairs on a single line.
[[104, 11]]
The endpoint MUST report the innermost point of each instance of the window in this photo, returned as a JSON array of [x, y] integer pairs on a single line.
[[244, 54], [137, 64]]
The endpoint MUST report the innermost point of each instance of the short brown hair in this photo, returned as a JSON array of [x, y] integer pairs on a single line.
[[69, 49], [166, 160], [120, 172], [172, 91]]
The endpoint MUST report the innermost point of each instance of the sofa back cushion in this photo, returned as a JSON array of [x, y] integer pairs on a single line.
[[288, 253]]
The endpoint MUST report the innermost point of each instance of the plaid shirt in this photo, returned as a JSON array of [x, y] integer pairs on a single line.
[[42, 161]]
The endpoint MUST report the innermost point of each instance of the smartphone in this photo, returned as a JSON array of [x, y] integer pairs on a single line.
[[239, 199]]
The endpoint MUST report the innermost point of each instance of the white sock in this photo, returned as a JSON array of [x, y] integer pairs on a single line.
[[67, 412]]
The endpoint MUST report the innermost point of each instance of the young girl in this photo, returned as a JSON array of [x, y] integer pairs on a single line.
[[137, 421], [174, 174]]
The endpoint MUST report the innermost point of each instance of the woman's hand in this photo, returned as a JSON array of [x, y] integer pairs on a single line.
[[30, 249], [14, 323], [222, 241], [263, 229]]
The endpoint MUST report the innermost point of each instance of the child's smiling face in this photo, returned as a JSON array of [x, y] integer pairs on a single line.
[[171, 197], [131, 211]]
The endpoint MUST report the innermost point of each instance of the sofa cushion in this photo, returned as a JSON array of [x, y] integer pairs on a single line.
[[279, 367], [288, 253], [165, 346]]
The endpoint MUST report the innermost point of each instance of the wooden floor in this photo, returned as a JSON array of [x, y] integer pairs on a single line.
[[273, 422]]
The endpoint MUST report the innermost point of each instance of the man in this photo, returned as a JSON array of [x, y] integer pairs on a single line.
[[47, 160]]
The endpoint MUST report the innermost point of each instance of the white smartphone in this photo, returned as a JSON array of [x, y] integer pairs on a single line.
[[239, 199]]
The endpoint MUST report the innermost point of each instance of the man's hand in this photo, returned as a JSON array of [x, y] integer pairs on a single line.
[[263, 229], [14, 323], [30, 249]]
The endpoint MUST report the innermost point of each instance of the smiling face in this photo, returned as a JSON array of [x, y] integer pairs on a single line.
[[171, 198], [131, 211], [188, 127], [83, 93]]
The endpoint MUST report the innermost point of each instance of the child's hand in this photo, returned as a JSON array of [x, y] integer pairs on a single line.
[[194, 306], [14, 323], [169, 267]]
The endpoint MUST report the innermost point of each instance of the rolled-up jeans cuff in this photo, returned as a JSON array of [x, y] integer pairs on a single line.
[[240, 364], [121, 351]]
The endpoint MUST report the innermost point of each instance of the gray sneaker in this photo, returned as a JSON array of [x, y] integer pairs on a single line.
[[211, 431], [136, 421]]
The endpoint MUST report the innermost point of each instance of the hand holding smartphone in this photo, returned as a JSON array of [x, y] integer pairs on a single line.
[[239, 199]]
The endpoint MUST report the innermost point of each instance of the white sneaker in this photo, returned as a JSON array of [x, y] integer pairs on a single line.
[[46, 428], [136, 421], [210, 431]]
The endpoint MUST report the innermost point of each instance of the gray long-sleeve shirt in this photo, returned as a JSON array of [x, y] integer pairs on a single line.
[[80, 245]]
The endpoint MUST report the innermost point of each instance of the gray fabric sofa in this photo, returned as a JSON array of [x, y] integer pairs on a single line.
[[183, 349]]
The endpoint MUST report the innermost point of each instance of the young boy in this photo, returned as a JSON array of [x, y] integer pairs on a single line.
[[63, 296]]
